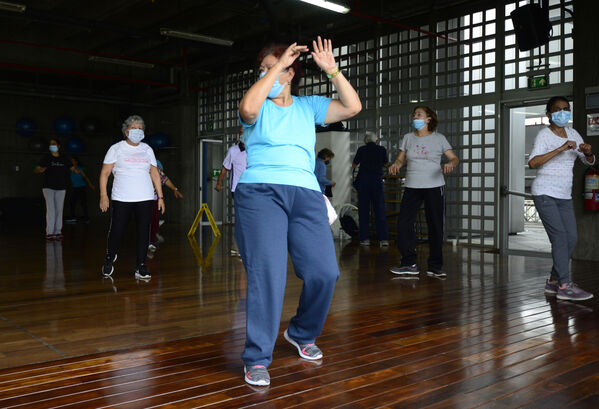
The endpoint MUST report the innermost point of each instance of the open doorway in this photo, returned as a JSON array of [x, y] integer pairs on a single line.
[[522, 229]]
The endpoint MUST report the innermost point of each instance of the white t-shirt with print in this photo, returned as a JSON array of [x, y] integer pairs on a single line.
[[554, 177], [423, 155], [132, 181]]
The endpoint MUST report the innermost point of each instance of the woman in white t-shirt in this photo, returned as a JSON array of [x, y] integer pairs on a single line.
[[422, 151], [136, 176], [555, 150]]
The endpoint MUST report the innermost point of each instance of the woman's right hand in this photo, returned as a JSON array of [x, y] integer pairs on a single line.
[[568, 145], [104, 203], [291, 54]]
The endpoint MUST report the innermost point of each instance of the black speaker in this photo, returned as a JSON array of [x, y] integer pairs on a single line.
[[532, 26]]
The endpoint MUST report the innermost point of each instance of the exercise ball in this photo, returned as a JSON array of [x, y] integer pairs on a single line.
[[26, 127], [74, 145], [158, 140], [64, 126], [38, 144], [91, 125]]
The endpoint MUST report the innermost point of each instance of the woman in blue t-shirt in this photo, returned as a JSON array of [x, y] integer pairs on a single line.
[[279, 207]]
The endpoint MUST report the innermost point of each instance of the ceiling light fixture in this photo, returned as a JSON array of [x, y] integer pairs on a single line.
[[17, 8], [129, 63], [328, 5], [195, 37]]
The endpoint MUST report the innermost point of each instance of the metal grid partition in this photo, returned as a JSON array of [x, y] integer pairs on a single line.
[[464, 74]]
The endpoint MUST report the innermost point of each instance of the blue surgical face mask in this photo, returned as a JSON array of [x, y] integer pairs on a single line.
[[418, 124], [136, 135], [277, 87], [53, 148], [561, 118]]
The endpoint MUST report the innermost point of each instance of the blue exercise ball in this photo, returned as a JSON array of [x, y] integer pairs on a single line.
[[26, 127], [158, 140], [91, 125], [74, 145], [37, 144], [64, 126]]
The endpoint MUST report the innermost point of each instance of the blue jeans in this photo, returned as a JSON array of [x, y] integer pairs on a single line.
[[558, 218], [271, 220]]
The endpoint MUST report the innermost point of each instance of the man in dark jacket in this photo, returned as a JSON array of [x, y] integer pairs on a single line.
[[371, 158]]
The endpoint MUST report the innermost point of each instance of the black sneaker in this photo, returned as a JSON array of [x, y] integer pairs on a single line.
[[434, 272], [142, 273], [108, 268]]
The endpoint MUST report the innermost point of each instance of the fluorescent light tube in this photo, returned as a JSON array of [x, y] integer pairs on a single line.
[[195, 37], [17, 8], [328, 5], [129, 63]]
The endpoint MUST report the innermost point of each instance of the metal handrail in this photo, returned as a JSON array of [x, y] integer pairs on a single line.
[[505, 192]]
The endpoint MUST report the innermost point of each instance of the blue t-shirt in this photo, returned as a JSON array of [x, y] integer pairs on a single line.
[[280, 144], [77, 178]]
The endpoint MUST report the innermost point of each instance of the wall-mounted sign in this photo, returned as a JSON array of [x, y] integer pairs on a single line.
[[593, 124], [539, 81]]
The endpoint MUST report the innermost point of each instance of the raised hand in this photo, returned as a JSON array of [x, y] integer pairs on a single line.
[[291, 54], [323, 55]]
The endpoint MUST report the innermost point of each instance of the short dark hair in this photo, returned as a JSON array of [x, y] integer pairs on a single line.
[[553, 100], [432, 125], [277, 51], [55, 140], [325, 153]]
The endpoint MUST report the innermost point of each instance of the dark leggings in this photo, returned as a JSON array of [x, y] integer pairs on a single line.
[[121, 213], [79, 195], [434, 208]]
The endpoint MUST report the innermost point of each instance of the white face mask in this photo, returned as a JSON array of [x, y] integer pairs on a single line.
[[136, 135]]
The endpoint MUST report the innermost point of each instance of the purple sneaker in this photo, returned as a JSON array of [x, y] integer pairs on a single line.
[[551, 288], [573, 292]]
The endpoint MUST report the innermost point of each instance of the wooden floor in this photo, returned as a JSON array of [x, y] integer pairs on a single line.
[[485, 337]]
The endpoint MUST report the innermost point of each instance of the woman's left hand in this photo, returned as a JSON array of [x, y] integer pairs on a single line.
[[161, 206], [586, 148], [323, 55], [447, 168]]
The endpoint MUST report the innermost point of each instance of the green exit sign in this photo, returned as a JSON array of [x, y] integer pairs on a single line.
[[540, 81]]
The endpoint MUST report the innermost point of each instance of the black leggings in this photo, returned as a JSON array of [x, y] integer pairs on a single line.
[[78, 194], [121, 213], [434, 209]]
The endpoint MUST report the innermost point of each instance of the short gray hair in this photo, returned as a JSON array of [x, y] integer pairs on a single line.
[[370, 137], [130, 121]]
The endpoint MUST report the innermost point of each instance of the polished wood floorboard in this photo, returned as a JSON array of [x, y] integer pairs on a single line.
[[487, 336]]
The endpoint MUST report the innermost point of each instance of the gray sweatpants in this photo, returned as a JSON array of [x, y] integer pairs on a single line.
[[54, 205]]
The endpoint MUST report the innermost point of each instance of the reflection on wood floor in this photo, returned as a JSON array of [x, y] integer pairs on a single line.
[[486, 336]]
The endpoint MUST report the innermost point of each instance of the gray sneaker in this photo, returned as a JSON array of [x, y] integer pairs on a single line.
[[365, 242], [384, 243], [409, 270], [256, 375], [573, 292], [306, 351]]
